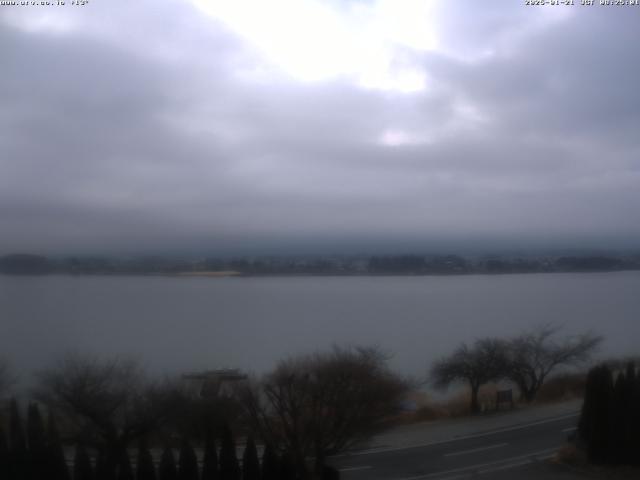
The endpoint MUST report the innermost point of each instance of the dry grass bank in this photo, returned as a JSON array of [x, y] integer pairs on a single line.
[[559, 388]]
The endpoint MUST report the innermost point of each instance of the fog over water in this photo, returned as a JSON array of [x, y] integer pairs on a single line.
[[179, 324]]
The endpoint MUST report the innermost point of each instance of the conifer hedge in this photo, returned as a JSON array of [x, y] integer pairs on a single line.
[[609, 423]]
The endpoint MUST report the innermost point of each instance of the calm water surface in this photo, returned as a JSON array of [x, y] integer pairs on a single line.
[[177, 324]]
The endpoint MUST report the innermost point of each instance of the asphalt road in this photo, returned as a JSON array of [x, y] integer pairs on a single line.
[[495, 451]]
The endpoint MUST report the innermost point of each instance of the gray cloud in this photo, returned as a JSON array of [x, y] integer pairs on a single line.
[[147, 126]]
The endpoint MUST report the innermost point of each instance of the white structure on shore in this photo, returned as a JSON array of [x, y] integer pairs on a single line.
[[213, 383]]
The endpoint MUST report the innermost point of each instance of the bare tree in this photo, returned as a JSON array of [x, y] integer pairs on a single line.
[[482, 362], [110, 401], [318, 405], [535, 354]]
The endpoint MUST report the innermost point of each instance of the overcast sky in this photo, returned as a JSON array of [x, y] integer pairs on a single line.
[[244, 126]]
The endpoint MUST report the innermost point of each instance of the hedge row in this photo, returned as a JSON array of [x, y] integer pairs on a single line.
[[36, 453], [610, 420]]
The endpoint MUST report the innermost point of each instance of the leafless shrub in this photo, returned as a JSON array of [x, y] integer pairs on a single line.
[[476, 365], [110, 401], [318, 405], [535, 354]]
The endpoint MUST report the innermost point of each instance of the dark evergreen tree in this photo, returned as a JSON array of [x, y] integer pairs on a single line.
[[82, 469], [585, 423], [618, 421], [17, 441], [125, 472], [250, 462], [629, 407], [229, 468], [56, 461], [270, 464], [210, 469], [37, 443], [36, 434], [602, 451], [287, 467], [188, 462], [145, 467], [630, 372], [168, 470], [610, 419], [330, 473], [4, 455], [18, 454], [105, 468], [634, 427]]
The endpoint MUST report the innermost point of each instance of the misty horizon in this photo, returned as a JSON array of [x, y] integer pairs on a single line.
[[284, 248]]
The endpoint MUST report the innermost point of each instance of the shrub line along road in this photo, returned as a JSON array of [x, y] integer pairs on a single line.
[[474, 454]]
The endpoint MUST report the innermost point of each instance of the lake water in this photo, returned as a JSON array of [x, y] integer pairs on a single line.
[[178, 324]]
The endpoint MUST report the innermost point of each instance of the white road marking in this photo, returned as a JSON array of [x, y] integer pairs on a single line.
[[474, 450], [353, 469], [570, 429], [504, 464], [464, 437]]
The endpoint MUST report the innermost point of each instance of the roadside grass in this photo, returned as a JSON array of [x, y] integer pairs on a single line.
[[564, 386], [559, 388], [575, 459]]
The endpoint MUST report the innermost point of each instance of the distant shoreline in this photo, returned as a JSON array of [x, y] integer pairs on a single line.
[[234, 274], [221, 273], [381, 265]]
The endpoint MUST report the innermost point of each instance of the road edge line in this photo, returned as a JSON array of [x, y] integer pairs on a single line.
[[455, 439]]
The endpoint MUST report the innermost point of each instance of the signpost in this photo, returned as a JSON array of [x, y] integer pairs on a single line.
[[504, 396]]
